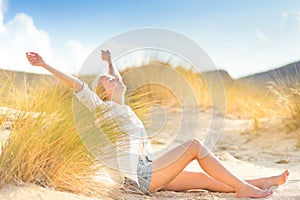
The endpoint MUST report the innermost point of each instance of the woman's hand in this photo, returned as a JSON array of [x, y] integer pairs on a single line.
[[106, 56], [35, 59]]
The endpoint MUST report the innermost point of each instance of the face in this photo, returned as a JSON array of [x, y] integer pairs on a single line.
[[112, 85]]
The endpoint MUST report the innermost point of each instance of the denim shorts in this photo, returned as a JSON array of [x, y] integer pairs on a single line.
[[144, 173]]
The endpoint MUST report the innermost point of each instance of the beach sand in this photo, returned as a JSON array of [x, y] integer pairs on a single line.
[[248, 151]]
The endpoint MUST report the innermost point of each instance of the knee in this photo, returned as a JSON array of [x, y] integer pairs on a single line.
[[196, 145], [196, 142]]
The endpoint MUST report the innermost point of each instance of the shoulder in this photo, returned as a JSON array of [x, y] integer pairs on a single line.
[[89, 98], [85, 88]]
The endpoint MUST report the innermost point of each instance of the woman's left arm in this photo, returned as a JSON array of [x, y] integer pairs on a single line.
[[112, 69]]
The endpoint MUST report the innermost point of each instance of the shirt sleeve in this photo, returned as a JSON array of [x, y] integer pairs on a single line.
[[89, 98]]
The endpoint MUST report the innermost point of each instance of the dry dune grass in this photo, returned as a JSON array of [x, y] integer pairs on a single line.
[[44, 147], [279, 99], [173, 85], [287, 100]]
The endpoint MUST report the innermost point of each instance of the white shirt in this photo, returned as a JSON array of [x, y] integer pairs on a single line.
[[135, 144]]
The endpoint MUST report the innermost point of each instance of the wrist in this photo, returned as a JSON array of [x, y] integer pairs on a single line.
[[46, 66]]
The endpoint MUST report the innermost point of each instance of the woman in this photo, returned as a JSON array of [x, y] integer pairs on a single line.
[[165, 172]]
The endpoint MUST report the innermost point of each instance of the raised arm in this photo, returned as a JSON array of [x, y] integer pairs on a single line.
[[112, 69], [36, 60]]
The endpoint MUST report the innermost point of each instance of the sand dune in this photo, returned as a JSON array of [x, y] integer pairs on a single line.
[[247, 152]]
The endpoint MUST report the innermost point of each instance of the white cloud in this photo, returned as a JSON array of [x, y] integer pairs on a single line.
[[20, 35], [261, 36]]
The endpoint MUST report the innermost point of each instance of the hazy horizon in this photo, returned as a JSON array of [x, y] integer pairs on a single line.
[[45, 72]]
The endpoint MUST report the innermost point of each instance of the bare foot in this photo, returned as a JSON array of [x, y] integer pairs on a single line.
[[252, 192], [276, 180]]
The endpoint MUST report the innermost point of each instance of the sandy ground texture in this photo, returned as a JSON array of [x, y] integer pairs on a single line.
[[249, 151]]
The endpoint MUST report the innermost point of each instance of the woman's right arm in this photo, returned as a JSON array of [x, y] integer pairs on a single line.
[[36, 60]]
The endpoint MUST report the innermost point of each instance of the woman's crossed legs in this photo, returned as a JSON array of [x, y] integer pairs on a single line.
[[168, 175]]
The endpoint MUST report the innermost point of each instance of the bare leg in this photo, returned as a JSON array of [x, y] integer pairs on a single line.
[[196, 180], [193, 180], [167, 167]]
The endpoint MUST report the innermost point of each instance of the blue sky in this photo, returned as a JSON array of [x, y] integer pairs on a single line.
[[240, 36]]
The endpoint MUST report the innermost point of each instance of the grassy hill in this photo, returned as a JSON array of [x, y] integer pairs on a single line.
[[288, 74]]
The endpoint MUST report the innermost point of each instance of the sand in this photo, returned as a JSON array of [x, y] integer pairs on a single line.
[[248, 152]]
